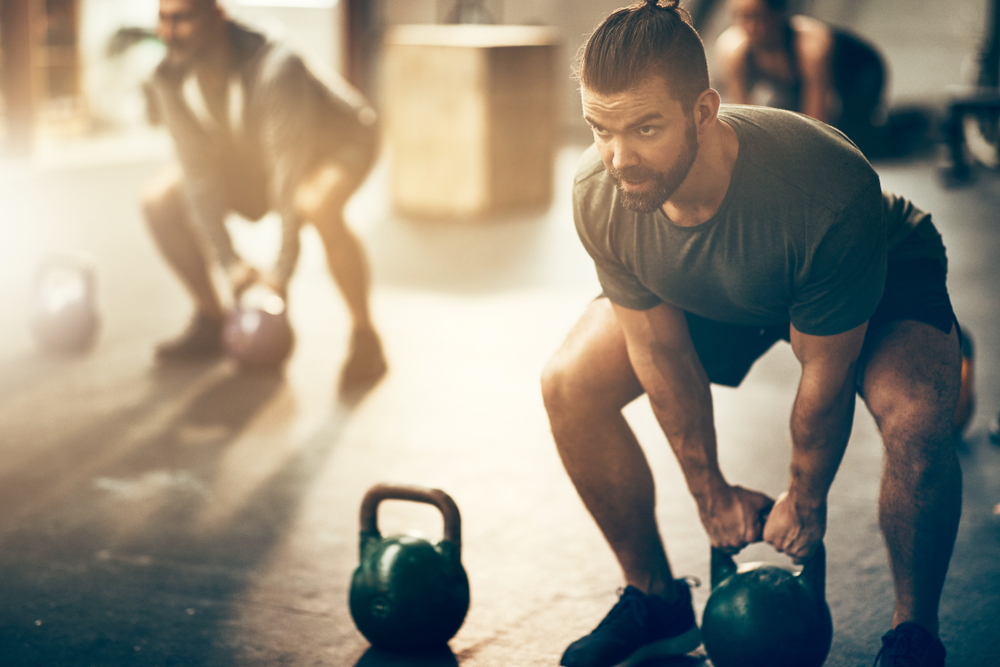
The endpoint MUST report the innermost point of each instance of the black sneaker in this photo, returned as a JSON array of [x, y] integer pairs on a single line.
[[637, 628], [201, 340], [910, 645]]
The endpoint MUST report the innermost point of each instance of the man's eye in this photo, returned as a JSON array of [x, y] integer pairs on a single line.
[[647, 130]]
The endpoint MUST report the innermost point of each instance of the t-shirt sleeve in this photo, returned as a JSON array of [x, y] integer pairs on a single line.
[[592, 214], [845, 275]]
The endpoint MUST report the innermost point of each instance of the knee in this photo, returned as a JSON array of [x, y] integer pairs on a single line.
[[162, 207], [321, 197], [561, 395], [919, 439], [568, 393], [152, 211], [556, 385]]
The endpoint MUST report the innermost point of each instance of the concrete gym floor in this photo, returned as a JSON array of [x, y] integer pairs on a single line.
[[198, 516]]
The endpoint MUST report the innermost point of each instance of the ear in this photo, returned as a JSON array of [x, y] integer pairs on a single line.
[[706, 108]]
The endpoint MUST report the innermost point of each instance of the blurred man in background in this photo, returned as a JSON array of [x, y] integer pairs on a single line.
[[769, 57], [255, 130]]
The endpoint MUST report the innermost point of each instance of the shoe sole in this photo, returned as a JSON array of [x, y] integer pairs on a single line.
[[679, 645]]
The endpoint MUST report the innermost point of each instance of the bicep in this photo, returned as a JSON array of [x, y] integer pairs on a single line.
[[659, 344], [828, 362]]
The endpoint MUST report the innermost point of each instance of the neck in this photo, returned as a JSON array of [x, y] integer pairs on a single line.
[[702, 192]]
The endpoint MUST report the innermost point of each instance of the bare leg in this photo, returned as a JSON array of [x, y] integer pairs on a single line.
[[585, 385], [911, 385], [320, 199], [169, 222], [349, 269]]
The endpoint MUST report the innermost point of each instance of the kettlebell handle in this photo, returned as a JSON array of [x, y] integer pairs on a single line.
[[77, 261], [419, 494], [813, 571]]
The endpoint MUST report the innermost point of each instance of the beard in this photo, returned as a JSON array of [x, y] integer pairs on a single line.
[[663, 184]]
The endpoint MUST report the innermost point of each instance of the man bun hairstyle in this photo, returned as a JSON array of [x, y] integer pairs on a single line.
[[649, 37]]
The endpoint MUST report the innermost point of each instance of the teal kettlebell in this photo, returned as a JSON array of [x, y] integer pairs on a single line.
[[408, 594], [763, 615]]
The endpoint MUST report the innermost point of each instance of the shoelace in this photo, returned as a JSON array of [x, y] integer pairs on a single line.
[[899, 648], [634, 603], [626, 604]]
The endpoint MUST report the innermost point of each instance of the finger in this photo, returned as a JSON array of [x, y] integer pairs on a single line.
[[807, 551], [765, 511], [800, 556], [728, 545], [782, 542]]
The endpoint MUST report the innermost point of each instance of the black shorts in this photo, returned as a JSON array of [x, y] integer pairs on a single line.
[[914, 290]]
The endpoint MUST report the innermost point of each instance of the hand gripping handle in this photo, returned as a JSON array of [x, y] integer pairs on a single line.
[[813, 571]]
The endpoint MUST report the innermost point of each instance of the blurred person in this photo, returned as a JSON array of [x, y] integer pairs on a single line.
[[255, 130], [770, 57], [716, 231]]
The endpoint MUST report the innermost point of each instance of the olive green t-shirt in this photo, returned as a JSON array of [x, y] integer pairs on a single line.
[[803, 234]]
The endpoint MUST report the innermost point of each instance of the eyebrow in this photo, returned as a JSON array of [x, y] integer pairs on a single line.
[[638, 122]]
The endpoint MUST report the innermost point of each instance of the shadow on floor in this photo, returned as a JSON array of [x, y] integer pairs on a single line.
[[105, 554], [373, 657]]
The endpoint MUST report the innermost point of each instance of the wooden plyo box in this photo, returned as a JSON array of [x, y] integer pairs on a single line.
[[470, 117]]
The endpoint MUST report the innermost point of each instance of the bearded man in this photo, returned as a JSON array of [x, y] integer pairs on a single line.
[[717, 231]]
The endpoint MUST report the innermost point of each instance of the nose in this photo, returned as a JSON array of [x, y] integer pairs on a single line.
[[623, 155]]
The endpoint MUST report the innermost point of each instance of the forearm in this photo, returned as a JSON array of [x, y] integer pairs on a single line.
[[730, 514], [209, 212], [288, 255], [681, 400], [821, 426], [669, 369]]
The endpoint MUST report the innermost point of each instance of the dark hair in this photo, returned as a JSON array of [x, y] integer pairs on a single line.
[[642, 39]]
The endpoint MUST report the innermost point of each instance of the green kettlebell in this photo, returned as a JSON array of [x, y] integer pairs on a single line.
[[407, 594], [763, 615]]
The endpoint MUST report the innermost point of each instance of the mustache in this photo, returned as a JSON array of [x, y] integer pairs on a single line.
[[632, 174]]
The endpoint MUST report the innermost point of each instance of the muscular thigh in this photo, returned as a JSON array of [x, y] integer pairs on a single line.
[[593, 360], [911, 361], [163, 195], [910, 380]]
